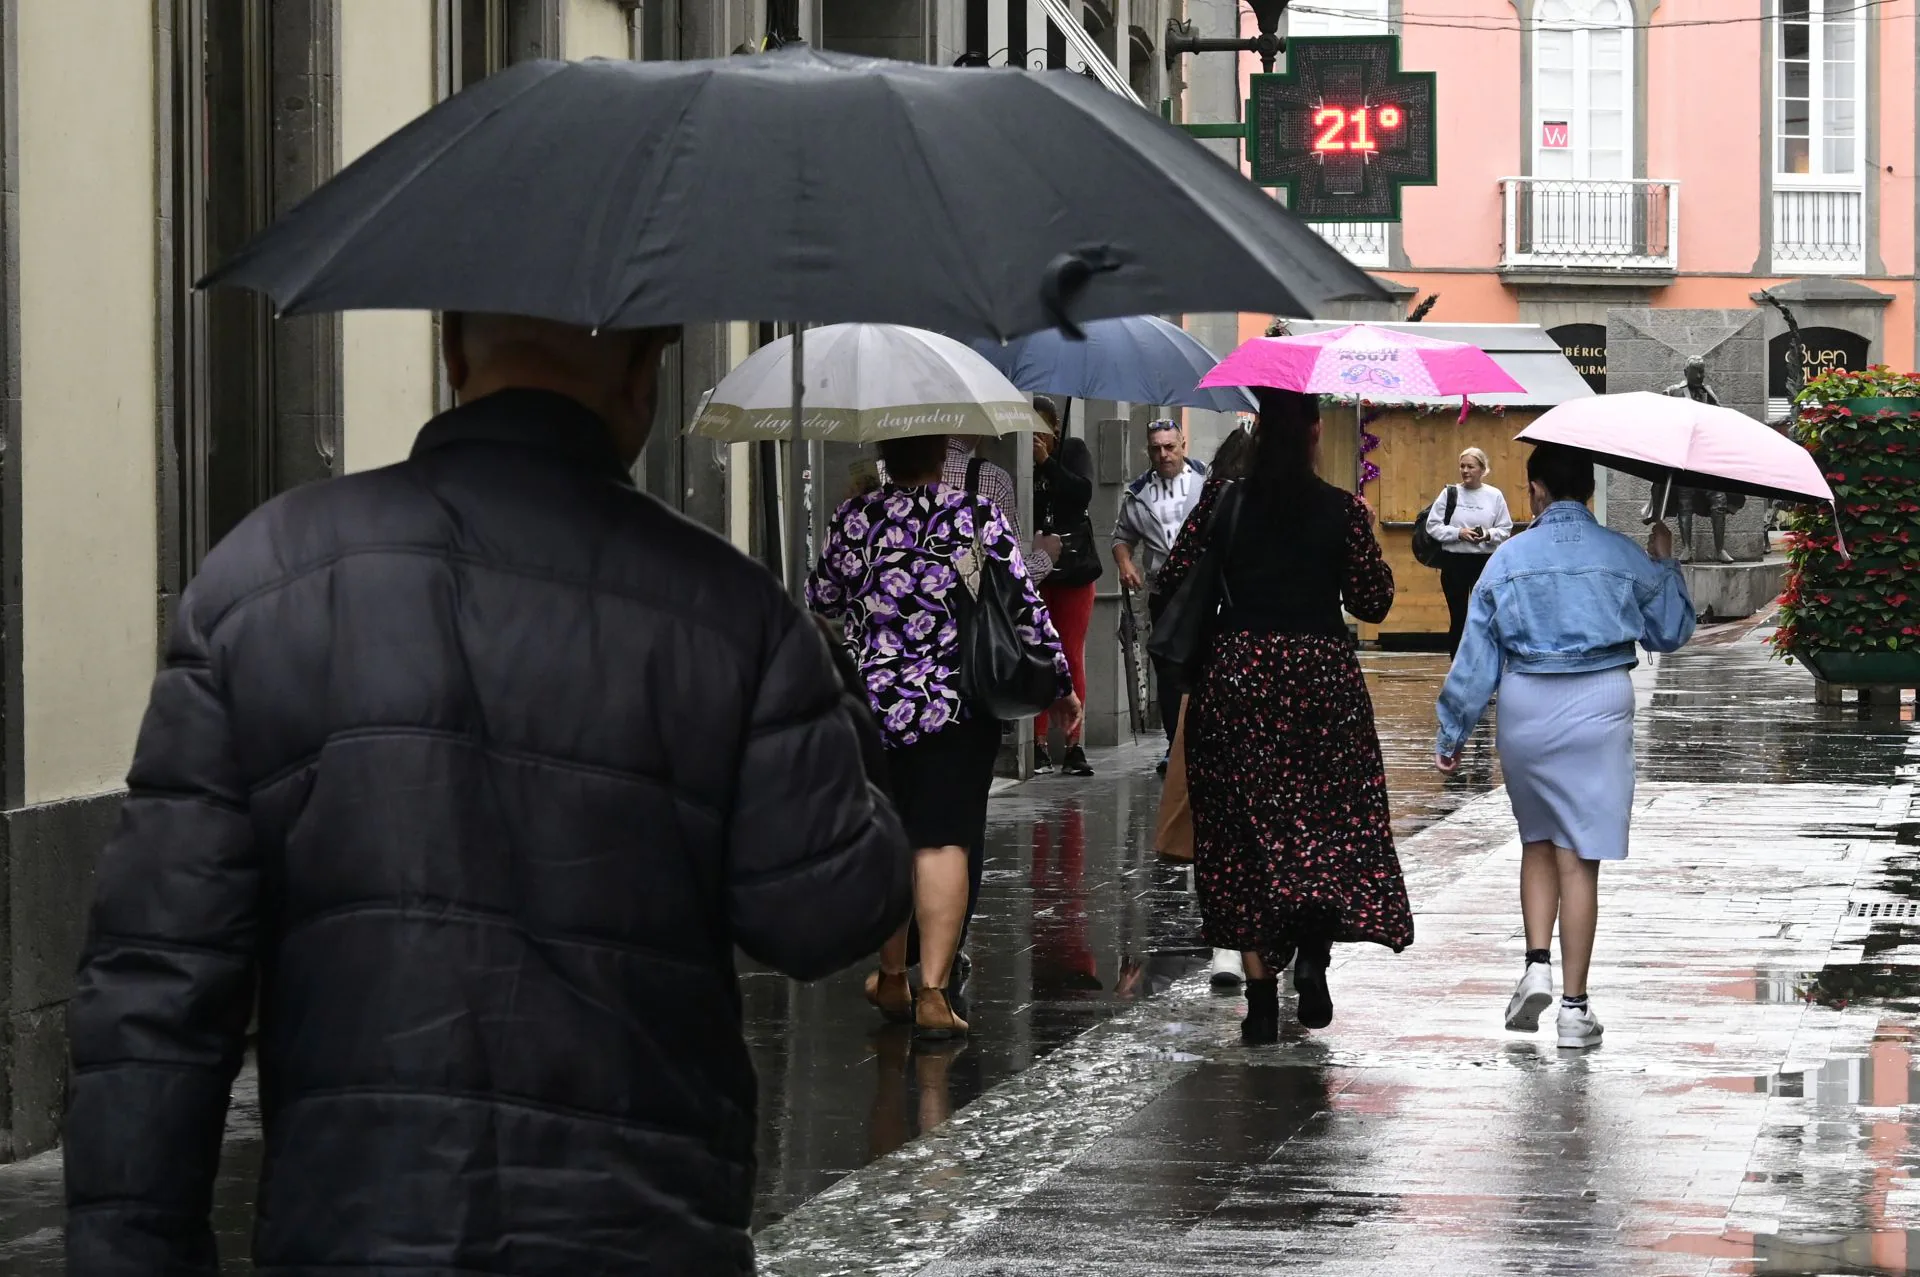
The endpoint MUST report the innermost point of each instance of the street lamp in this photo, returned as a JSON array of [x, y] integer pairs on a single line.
[[1269, 44]]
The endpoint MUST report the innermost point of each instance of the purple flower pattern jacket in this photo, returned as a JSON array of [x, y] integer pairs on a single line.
[[887, 575]]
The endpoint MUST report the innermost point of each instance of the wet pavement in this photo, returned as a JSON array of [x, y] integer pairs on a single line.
[[1078, 920], [1759, 972], [1752, 1110]]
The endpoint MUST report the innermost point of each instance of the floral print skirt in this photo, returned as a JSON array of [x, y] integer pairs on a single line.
[[1292, 839]]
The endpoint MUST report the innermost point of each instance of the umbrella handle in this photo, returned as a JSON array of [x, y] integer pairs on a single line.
[[1065, 276], [1657, 511]]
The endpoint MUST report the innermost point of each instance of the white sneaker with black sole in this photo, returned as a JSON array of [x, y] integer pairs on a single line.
[[1533, 995], [1229, 970], [1579, 1028]]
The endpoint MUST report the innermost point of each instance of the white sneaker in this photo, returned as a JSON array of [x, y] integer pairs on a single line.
[[1531, 996], [1228, 968], [1579, 1029]]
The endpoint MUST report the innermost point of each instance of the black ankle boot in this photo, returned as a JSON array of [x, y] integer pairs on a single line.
[[1262, 1025], [1315, 1007]]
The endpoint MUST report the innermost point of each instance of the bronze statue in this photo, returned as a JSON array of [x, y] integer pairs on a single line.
[[1796, 379], [1691, 501]]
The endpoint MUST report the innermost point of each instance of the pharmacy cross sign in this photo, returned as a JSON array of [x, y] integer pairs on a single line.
[[1343, 128]]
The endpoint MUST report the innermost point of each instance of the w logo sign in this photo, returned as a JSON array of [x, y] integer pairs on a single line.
[[1553, 135]]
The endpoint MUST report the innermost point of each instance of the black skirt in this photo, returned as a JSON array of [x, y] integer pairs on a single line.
[[941, 782]]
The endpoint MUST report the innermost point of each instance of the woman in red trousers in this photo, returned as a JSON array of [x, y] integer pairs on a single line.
[[1062, 489]]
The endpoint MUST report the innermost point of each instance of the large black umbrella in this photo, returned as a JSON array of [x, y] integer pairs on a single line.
[[795, 185]]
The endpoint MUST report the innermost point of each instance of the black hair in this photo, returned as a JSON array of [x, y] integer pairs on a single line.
[[1283, 441], [1565, 474], [1049, 411], [1234, 455], [913, 457]]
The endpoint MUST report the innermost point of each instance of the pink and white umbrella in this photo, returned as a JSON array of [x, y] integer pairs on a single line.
[[1675, 442], [1696, 445], [1364, 361]]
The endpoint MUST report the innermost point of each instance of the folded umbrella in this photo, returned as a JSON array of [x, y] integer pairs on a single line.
[[866, 382], [792, 186], [1138, 359]]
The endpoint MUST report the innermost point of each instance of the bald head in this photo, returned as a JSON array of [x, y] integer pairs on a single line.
[[614, 373]]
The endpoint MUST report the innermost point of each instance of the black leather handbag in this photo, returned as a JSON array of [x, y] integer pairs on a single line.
[[1185, 625], [1001, 673]]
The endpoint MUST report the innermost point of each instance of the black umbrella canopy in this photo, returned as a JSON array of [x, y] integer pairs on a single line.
[[795, 185]]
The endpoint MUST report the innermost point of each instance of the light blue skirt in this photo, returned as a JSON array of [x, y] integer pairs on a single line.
[[1566, 747]]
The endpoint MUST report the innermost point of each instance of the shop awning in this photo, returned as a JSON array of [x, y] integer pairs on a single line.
[[1524, 351]]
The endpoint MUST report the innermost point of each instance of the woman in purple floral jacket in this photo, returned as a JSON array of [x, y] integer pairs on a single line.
[[887, 575]]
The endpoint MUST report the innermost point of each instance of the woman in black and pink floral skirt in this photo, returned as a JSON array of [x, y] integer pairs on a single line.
[[1293, 843]]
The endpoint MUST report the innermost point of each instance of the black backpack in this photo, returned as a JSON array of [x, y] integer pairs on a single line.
[[1427, 551]]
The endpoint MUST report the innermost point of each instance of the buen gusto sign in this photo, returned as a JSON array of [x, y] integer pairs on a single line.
[[1343, 129]]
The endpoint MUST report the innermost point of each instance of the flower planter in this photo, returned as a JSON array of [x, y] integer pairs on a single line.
[[1864, 669], [1856, 623], [1906, 407]]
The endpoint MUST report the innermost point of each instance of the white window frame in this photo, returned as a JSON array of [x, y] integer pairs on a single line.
[[1816, 174], [1582, 29], [1339, 17]]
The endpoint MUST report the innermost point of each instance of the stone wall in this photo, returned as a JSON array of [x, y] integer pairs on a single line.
[[1648, 349]]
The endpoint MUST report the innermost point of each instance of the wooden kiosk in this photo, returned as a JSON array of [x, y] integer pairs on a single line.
[[1420, 445]]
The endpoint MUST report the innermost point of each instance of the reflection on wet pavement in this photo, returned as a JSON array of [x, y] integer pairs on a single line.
[[1752, 1110], [1078, 918]]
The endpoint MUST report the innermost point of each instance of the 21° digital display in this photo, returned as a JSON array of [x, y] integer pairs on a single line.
[[1343, 128]]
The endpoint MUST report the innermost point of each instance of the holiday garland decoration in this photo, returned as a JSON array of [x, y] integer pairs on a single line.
[[1369, 471], [1371, 411], [1870, 453]]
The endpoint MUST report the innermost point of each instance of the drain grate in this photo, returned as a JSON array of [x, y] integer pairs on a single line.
[[1883, 909]]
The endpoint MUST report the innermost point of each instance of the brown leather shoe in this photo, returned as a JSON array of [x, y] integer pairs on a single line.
[[933, 1016], [890, 992]]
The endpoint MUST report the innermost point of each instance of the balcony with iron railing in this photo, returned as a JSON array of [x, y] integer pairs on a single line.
[[1819, 230], [1362, 243], [1582, 226]]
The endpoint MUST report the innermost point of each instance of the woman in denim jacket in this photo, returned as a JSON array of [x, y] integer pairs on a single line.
[[1554, 624]]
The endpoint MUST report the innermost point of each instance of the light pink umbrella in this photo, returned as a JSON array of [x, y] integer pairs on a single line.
[[1675, 442], [1697, 445], [1364, 361]]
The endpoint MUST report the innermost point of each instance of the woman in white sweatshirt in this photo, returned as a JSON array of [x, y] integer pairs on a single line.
[[1477, 526]]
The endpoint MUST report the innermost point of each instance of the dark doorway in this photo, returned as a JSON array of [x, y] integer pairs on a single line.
[[1827, 349]]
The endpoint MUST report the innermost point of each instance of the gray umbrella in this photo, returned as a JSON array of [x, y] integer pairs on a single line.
[[794, 185]]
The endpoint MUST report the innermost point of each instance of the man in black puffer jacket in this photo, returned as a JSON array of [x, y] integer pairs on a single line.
[[475, 770]]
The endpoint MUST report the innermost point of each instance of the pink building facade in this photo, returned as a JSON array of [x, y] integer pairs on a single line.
[[1666, 153]]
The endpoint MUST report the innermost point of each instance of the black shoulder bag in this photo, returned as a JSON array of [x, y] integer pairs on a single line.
[[1427, 551], [1185, 626], [1001, 674]]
